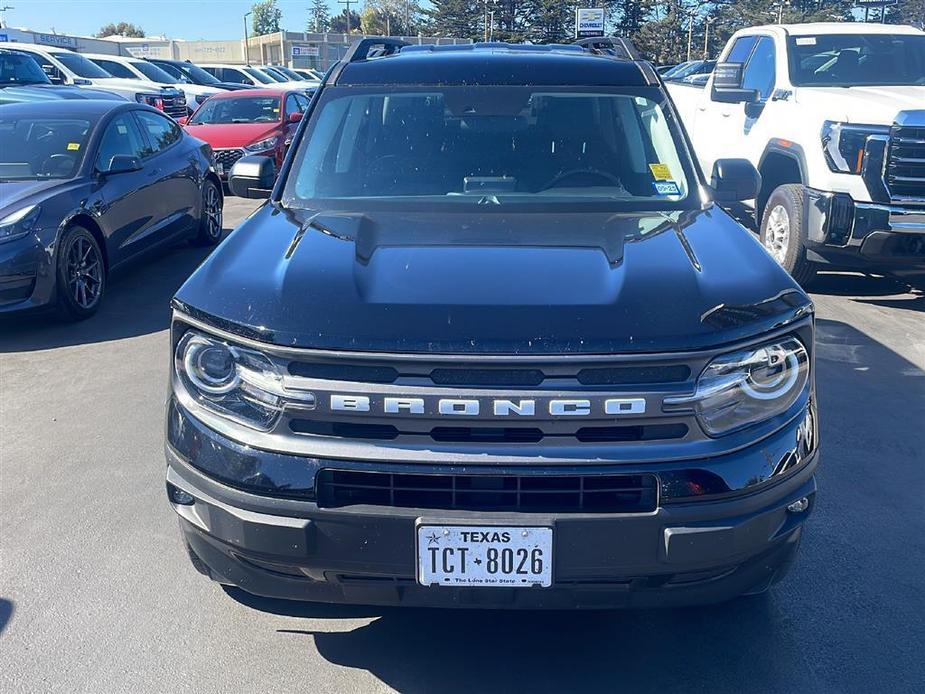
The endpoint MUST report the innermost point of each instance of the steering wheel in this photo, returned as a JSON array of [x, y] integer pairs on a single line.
[[58, 163], [610, 178]]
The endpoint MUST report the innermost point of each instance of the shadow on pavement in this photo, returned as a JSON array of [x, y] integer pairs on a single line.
[[6, 612], [136, 303]]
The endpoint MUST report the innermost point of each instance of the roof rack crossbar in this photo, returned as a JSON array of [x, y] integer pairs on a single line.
[[360, 50]]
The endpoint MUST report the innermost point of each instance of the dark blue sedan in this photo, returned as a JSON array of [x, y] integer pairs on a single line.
[[86, 186]]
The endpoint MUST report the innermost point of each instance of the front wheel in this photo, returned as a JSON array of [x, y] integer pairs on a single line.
[[81, 274], [783, 234], [210, 216]]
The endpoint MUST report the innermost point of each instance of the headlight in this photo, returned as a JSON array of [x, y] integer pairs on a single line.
[[743, 388], [262, 145], [154, 100], [19, 223], [843, 144], [234, 382]]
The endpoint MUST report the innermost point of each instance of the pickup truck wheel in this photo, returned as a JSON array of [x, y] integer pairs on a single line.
[[210, 216], [782, 232]]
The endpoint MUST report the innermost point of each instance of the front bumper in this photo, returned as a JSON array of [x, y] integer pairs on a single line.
[[691, 552], [26, 275], [867, 235]]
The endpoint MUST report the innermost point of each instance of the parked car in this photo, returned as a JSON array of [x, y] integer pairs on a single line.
[[689, 69], [67, 67], [255, 121], [242, 74], [21, 79], [662, 69], [136, 68], [492, 342], [87, 186], [291, 76], [833, 116], [309, 74], [188, 73]]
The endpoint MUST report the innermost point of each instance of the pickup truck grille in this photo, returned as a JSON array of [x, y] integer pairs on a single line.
[[905, 170], [591, 493], [175, 106]]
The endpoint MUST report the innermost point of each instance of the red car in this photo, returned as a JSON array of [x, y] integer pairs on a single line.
[[252, 121]]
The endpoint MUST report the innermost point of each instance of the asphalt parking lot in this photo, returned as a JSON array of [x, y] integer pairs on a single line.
[[97, 595]]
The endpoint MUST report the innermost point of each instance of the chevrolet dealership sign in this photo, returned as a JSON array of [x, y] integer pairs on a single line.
[[589, 21]]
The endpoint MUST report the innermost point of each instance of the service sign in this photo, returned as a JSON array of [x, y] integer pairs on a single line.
[[56, 40], [589, 21]]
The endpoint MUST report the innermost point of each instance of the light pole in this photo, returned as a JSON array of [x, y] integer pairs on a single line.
[[706, 37], [2, 14], [247, 53], [690, 36]]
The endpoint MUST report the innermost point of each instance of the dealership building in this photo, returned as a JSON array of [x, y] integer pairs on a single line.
[[292, 48]]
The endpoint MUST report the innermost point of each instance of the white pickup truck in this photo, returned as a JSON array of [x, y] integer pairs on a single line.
[[833, 117]]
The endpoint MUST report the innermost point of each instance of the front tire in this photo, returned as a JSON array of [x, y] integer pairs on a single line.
[[80, 274], [783, 234], [210, 216]]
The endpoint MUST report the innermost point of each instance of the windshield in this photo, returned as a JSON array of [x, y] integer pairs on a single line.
[[38, 148], [286, 72], [258, 75], [153, 72], [274, 74], [20, 69], [490, 146], [197, 74], [857, 60], [80, 66], [245, 109]]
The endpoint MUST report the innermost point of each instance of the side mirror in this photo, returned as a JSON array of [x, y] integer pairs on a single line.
[[727, 85], [183, 120], [735, 180], [122, 163], [295, 116], [252, 177]]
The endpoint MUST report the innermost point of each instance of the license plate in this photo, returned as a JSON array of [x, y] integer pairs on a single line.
[[479, 555]]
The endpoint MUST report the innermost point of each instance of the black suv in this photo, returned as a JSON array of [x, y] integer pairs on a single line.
[[491, 342]]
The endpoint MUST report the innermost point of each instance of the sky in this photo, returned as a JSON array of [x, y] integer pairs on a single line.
[[178, 19]]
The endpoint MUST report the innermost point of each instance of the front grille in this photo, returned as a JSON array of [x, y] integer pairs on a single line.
[[227, 158], [905, 170], [175, 106], [536, 493]]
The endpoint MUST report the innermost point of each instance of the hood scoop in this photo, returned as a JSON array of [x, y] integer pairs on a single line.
[[607, 232]]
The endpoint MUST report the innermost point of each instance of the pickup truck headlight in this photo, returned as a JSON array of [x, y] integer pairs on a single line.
[[233, 382], [746, 387], [262, 145], [844, 143], [155, 100], [19, 223]]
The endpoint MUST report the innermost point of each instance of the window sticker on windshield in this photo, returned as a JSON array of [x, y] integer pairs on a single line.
[[806, 41], [660, 172], [666, 188], [73, 146]]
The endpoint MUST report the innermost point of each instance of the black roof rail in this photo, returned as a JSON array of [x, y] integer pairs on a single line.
[[616, 46], [364, 49], [375, 47]]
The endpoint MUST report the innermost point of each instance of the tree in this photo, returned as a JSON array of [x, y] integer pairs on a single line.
[[459, 18], [551, 21], [319, 18], [391, 17], [266, 17], [907, 12], [341, 24], [121, 29]]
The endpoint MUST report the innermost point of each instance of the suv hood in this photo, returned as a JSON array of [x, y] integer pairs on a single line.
[[868, 105], [225, 135], [131, 84], [492, 283]]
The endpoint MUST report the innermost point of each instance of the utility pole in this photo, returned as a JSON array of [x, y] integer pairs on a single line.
[[690, 35], [247, 53], [348, 3]]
